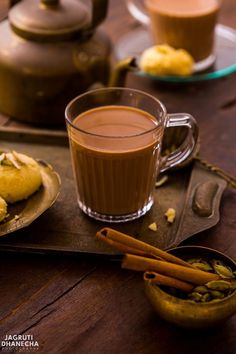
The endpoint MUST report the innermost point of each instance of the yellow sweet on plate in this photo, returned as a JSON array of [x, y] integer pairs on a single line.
[[3, 209], [20, 176], [164, 60]]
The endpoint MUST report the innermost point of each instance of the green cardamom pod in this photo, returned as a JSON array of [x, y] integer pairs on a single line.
[[195, 296], [220, 285], [206, 297], [201, 289], [217, 294], [202, 266], [221, 269]]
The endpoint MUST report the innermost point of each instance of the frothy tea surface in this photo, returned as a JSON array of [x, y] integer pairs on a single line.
[[112, 123], [184, 7]]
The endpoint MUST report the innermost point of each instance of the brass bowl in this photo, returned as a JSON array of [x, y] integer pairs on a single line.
[[186, 313]]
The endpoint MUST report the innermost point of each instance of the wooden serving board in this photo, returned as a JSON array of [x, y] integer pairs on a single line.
[[64, 228]]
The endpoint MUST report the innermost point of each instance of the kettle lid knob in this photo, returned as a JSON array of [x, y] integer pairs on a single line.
[[49, 20], [50, 2]]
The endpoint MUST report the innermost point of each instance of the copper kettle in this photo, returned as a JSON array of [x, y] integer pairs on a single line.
[[51, 51]]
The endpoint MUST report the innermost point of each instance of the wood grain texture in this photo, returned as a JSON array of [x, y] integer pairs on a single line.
[[84, 307]]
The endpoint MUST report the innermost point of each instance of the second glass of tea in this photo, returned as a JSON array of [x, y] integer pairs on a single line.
[[186, 24]]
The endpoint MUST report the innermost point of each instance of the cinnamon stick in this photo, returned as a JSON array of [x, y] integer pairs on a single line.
[[156, 278], [137, 246], [121, 247], [191, 275]]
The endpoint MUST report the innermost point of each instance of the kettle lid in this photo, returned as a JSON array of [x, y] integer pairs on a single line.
[[49, 20]]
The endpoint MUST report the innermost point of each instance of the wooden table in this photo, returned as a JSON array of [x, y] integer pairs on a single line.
[[71, 305]]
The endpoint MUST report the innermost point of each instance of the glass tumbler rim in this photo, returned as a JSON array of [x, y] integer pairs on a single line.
[[110, 89]]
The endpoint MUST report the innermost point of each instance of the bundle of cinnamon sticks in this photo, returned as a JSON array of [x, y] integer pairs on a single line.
[[159, 267]]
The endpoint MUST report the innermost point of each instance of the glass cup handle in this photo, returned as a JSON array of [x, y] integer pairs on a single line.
[[138, 11], [188, 148]]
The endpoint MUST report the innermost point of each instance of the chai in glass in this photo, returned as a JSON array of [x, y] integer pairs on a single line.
[[115, 156], [115, 139], [187, 24]]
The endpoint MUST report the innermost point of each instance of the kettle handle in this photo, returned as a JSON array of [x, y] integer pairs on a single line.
[[99, 12], [13, 2]]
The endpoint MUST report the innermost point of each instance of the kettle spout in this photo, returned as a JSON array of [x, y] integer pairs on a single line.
[[120, 71]]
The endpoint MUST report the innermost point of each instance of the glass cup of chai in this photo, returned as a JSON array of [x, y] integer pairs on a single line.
[[115, 137], [185, 24]]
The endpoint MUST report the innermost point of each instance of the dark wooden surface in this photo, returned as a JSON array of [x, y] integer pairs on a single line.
[[80, 306]]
